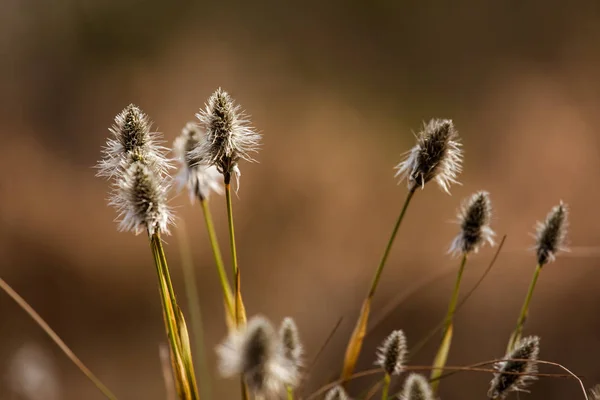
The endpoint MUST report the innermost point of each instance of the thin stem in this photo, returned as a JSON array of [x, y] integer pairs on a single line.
[[386, 386], [388, 248], [214, 244], [56, 339], [234, 260], [193, 300], [524, 311], [290, 393], [454, 299]]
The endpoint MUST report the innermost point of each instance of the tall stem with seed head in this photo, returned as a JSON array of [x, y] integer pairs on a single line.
[[516, 335]]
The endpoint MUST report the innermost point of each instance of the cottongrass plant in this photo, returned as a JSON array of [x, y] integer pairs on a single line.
[[391, 357], [474, 218], [550, 238], [269, 361], [436, 156]]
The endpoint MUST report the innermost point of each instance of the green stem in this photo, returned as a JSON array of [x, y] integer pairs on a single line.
[[214, 244], [386, 386], [516, 335], [454, 299], [234, 260], [193, 299], [56, 339], [290, 393], [170, 307], [388, 248]]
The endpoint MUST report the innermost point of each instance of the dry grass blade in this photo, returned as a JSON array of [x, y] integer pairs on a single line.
[[55, 338], [356, 341]]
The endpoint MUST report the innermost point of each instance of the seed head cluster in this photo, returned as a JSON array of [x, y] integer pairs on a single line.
[[200, 178], [290, 346], [254, 352], [513, 373], [137, 166], [416, 387], [229, 136], [391, 356], [474, 218], [436, 156], [551, 234]]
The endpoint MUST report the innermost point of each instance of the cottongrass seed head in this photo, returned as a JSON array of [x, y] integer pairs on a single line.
[[391, 356], [551, 234], [437, 155], [229, 136], [595, 392], [253, 352], [141, 200], [132, 141], [290, 346], [337, 393], [196, 175], [416, 387], [512, 376], [474, 217]]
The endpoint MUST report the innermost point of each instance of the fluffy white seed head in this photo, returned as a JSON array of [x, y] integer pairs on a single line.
[[551, 234], [437, 155], [253, 352], [229, 136], [337, 393], [141, 200], [416, 387], [132, 141], [513, 373], [290, 346], [474, 218], [200, 178], [391, 356]]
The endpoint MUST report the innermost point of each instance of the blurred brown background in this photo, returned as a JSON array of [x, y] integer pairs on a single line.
[[336, 88]]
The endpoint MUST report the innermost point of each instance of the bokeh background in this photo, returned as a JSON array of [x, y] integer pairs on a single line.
[[337, 88]]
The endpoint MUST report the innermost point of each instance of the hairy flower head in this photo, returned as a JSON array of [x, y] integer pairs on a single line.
[[513, 373], [416, 387], [141, 200], [199, 178], [229, 136], [391, 356], [474, 217], [253, 352], [290, 345], [437, 155], [132, 141], [551, 234], [337, 393]]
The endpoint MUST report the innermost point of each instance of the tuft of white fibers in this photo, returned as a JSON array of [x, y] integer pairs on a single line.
[[132, 141], [337, 393], [474, 217], [32, 374], [551, 234], [513, 372], [252, 351], [437, 155], [416, 387], [141, 200], [290, 346], [229, 136], [391, 355], [200, 178]]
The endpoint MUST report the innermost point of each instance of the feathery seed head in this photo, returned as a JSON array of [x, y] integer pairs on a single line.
[[416, 387], [229, 137], [337, 393], [391, 356], [252, 352], [474, 217], [437, 155], [290, 342], [595, 392], [551, 234], [141, 200], [513, 375], [132, 141], [199, 178]]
